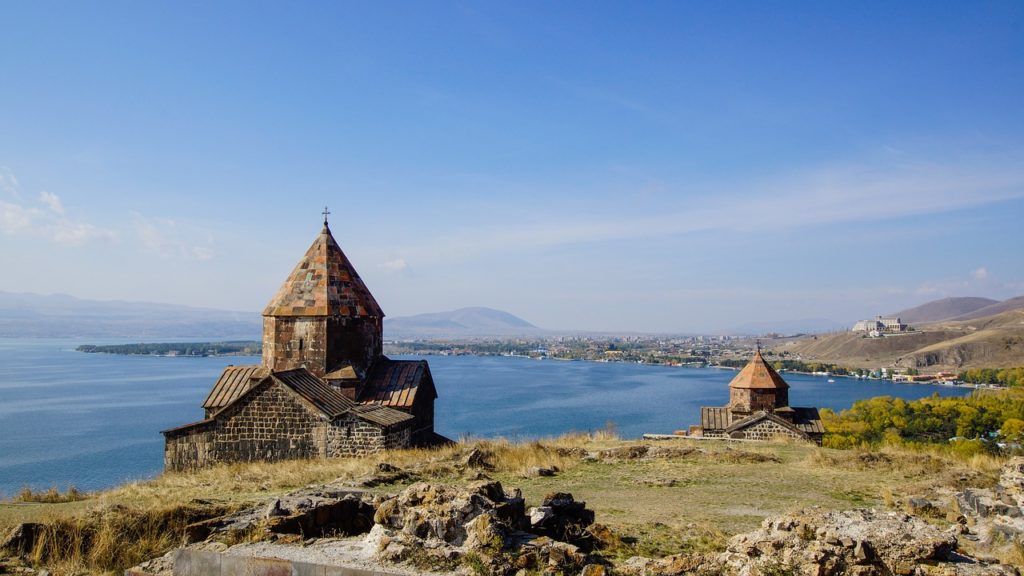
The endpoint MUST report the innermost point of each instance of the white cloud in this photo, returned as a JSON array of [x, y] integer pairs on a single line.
[[67, 233], [16, 219], [8, 183], [164, 237], [980, 274], [394, 265], [52, 201]]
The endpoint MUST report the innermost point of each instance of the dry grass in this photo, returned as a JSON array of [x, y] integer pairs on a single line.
[[51, 496], [690, 501]]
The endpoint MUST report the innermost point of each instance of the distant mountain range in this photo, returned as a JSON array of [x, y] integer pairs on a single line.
[[470, 322], [60, 315]]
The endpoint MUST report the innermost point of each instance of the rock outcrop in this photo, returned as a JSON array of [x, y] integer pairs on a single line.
[[813, 542]]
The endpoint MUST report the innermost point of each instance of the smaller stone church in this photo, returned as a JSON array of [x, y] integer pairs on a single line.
[[759, 409], [324, 387]]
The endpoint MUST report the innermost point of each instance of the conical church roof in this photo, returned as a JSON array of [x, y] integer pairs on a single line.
[[324, 283], [758, 374]]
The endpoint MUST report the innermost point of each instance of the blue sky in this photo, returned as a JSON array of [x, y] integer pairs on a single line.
[[675, 166]]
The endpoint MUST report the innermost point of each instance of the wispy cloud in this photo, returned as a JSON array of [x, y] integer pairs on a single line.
[[394, 265], [827, 195], [21, 219], [8, 183], [52, 201], [977, 282], [163, 236]]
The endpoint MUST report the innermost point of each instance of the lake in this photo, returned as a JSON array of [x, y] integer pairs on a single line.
[[93, 420]]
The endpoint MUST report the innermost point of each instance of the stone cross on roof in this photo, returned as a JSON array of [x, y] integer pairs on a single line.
[[326, 213]]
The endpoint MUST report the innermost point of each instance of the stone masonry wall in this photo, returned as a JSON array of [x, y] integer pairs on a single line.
[[749, 400], [359, 341], [321, 344], [269, 424], [273, 423], [188, 451], [766, 430], [351, 436], [292, 342]]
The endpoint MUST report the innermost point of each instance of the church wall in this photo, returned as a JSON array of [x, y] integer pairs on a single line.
[[293, 342], [423, 411], [274, 424], [752, 400], [188, 450], [352, 436], [355, 340], [765, 430], [270, 423]]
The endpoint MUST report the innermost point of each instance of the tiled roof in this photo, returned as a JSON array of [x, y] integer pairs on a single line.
[[382, 415], [345, 372], [334, 403], [233, 382], [758, 374], [326, 399], [805, 420], [324, 283], [189, 428], [808, 420], [395, 383], [715, 418], [759, 416]]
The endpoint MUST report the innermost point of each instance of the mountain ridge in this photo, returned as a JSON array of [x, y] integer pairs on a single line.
[[470, 321], [943, 309]]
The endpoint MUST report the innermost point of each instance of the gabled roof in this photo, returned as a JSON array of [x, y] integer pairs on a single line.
[[233, 382], [760, 416], [806, 420], [715, 418], [381, 415], [396, 383], [324, 283], [757, 374], [344, 372], [326, 399]]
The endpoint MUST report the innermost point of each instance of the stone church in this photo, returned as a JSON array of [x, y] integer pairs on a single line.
[[759, 409], [324, 388]]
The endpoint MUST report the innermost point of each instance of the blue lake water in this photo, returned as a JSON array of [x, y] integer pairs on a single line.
[[93, 420]]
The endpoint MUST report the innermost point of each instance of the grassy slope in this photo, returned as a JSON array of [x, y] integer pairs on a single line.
[[990, 342], [724, 489]]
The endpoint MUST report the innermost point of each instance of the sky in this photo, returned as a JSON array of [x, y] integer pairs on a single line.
[[613, 166]]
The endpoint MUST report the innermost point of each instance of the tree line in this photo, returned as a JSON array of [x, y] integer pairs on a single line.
[[232, 348], [985, 421]]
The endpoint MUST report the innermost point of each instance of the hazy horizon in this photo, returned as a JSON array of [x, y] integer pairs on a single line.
[[603, 167]]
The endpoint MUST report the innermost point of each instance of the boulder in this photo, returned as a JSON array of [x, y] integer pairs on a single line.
[[858, 542], [561, 517]]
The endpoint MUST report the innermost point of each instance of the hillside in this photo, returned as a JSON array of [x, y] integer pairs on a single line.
[[944, 309], [464, 322], [61, 315], [991, 342], [993, 309]]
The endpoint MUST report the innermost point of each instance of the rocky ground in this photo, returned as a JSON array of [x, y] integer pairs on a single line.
[[480, 526]]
